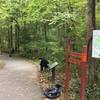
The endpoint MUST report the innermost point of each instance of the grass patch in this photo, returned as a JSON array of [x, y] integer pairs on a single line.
[[1, 64]]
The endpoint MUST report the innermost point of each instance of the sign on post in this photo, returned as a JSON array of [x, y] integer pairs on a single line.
[[53, 65], [96, 44]]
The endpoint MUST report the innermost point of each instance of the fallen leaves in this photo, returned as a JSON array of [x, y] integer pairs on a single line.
[[45, 83]]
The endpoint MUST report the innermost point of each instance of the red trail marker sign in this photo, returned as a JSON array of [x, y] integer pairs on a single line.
[[77, 59]]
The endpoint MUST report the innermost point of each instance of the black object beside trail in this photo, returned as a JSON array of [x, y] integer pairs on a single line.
[[43, 63], [54, 92]]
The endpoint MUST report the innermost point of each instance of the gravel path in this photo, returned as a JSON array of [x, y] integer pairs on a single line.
[[19, 80]]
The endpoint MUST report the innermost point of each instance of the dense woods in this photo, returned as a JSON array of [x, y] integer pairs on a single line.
[[40, 28]]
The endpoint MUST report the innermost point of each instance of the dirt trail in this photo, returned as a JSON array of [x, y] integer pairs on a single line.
[[19, 80]]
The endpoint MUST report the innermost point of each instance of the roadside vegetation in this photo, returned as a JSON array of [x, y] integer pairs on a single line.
[[40, 28]]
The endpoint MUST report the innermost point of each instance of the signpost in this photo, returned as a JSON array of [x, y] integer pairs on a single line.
[[96, 44], [77, 59], [52, 67]]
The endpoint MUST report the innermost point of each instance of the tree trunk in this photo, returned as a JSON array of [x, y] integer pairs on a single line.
[[0, 44], [16, 38], [91, 27], [45, 34], [10, 37]]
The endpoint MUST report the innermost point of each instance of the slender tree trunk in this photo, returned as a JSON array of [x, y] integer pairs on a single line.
[[16, 38], [91, 27], [10, 37], [45, 33], [0, 44]]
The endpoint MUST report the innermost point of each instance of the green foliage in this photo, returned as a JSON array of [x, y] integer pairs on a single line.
[[40, 27], [95, 91], [27, 50], [98, 15]]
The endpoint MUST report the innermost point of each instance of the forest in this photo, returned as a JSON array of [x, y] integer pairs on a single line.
[[40, 28]]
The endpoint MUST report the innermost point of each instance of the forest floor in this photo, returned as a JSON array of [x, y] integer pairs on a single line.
[[19, 80]]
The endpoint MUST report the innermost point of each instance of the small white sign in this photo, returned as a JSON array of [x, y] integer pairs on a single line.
[[53, 65], [96, 44]]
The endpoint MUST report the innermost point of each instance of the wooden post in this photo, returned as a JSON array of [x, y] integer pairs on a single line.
[[67, 65], [76, 58], [83, 73], [53, 70], [53, 75]]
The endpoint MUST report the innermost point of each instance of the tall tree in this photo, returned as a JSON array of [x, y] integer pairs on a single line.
[[91, 27]]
